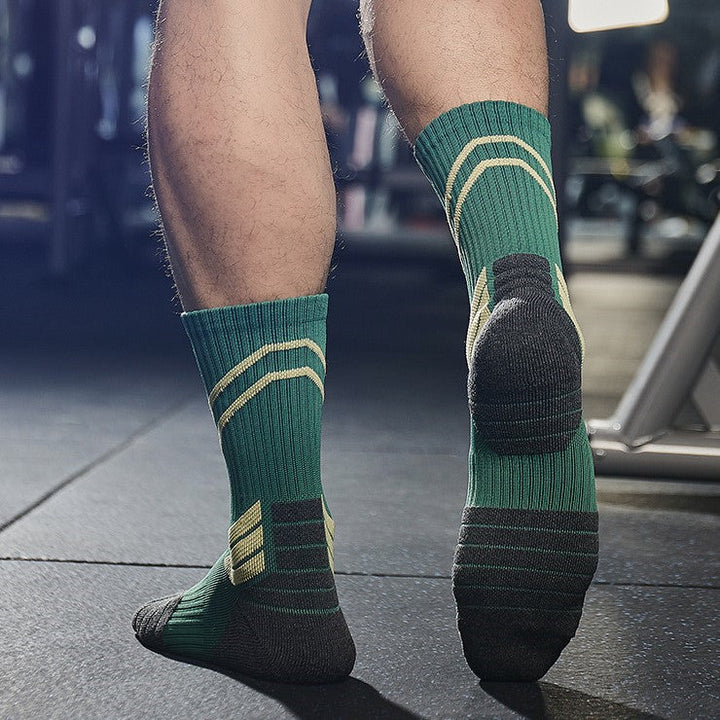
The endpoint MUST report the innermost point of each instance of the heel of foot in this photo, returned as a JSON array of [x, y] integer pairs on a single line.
[[289, 647], [268, 608], [519, 579], [524, 385]]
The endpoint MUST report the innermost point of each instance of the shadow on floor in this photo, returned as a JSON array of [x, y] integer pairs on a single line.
[[346, 700], [545, 701]]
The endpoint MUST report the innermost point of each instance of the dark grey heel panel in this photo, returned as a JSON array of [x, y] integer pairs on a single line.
[[289, 648], [526, 366], [572, 521], [305, 582], [150, 620], [521, 273]]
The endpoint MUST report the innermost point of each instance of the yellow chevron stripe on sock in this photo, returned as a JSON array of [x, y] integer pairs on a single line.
[[565, 299], [249, 361], [247, 571], [487, 140], [245, 538], [245, 523], [329, 536], [495, 163], [479, 313], [246, 547], [262, 383]]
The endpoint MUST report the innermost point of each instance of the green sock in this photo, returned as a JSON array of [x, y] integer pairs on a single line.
[[268, 607], [528, 540]]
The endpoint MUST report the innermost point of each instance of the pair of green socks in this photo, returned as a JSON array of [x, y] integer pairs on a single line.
[[527, 549]]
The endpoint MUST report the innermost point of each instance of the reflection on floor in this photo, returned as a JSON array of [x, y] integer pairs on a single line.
[[113, 492]]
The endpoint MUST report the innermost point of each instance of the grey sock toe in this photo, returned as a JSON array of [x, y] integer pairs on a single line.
[[150, 620]]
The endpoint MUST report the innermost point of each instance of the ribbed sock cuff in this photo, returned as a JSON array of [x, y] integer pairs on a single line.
[[490, 165], [443, 139], [221, 337]]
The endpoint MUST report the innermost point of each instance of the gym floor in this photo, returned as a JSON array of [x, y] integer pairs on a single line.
[[113, 492]]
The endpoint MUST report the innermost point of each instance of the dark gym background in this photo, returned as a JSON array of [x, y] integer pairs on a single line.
[[111, 487]]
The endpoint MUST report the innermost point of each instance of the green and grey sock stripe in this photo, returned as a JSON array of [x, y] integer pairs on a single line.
[[537, 579], [519, 580], [303, 581], [529, 555], [535, 525]]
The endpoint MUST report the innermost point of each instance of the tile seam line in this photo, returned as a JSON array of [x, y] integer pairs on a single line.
[[109, 454], [398, 576], [414, 452]]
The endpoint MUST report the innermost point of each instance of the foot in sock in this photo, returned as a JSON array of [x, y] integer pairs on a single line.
[[268, 607], [528, 540]]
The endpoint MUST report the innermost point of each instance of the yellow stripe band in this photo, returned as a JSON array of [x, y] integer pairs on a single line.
[[487, 140], [479, 313], [565, 298], [252, 568], [246, 538], [262, 383], [494, 163], [249, 361], [245, 523], [329, 536], [247, 547]]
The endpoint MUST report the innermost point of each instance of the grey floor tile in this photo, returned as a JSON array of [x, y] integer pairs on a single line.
[[656, 644], [397, 404], [61, 413], [164, 500], [656, 547], [68, 652]]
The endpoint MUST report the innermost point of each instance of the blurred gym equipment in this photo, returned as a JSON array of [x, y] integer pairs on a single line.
[[643, 436]]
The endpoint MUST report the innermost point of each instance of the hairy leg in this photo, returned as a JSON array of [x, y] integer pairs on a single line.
[[432, 56], [238, 154], [242, 177], [468, 81]]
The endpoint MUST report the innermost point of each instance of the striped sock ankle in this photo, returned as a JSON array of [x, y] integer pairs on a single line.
[[528, 541], [268, 607]]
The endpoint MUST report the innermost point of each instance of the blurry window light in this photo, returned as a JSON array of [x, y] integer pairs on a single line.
[[86, 37], [594, 15]]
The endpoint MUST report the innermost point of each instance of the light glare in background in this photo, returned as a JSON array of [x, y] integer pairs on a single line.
[[592, 15]]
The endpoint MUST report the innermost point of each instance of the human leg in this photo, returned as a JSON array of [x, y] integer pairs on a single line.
[[468, 81], [239, 161], [243, 182]]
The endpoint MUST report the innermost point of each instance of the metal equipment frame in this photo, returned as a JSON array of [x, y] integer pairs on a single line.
[[639, 439]]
